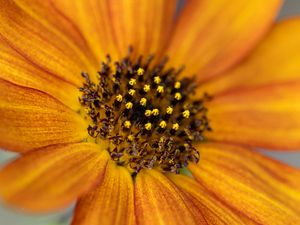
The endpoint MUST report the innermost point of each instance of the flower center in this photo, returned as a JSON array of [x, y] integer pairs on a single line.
[[145, 115]]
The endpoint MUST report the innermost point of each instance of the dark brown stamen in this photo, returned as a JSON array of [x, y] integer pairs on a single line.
[[145, 114]]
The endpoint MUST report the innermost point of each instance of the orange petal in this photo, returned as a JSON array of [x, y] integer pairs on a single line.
[[212, 37], [110, 203], [41, 42], [46, 13], [212, 209], [32, 119], [52, 177], [16, 69], [275, 60], [159, 201], [265, 117], [110, 26], [264, 190]]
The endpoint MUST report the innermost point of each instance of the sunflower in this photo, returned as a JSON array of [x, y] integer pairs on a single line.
[[146, 115]]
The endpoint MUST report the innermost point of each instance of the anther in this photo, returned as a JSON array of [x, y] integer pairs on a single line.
[[140, 71], [130, 137], [177, 96], [148, 126], [146, 87], [157, 80], [175, 126], [155, 112], [186, 113], [160, 89], [148, 112], [177, 85], [128, 105], [131, 92], [163, 124], [169, 110], [127, 124], [132, 81], [119, 98], [88, 110], [143, 101]]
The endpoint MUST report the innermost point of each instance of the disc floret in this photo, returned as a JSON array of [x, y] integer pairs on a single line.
[[145, 114]]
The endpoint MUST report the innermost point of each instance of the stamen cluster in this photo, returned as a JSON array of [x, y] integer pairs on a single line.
[[146, 116]]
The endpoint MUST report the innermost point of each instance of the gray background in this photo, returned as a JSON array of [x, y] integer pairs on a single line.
[[13, 217]]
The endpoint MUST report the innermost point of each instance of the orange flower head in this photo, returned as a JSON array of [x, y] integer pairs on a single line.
[[164, 133]]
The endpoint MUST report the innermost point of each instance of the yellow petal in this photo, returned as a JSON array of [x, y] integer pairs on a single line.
[[265, 117], [18, 70], [159, 201], [41, 42], [262, 189], [110, 203], [110, 26], [275, 60], [32, 119], [52, 177], [211, 208], [210, 37]]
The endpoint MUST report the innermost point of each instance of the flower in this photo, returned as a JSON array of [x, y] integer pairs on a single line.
[[84, 137]]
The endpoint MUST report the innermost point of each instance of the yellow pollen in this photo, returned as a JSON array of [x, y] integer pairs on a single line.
[[177, 85], [87, 110], [163, 124], [143, 101], [98, 76], [177, 96], [140, 71], [132, 81], [186, 113], [160, 89], [119, 98], [148, 112], [128, 105], [157, 80], [146, 87], [131, 92], [169, 110], [127, 124], [155, 112], [148, 126], [175, 126], [130, 137]]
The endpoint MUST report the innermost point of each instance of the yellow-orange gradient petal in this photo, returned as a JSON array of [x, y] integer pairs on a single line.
[[32, 119], [275, 60], [159, 201], [18, 70], [46, 13], [41, 42], [110, 26], [210, 37], [264, 190], [52, 177], [211, 208], [266, 117], [111, 203]]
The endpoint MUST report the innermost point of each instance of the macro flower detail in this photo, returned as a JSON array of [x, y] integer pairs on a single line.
[[143, 114], [145, 127]]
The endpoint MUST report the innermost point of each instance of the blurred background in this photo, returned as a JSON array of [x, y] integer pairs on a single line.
[[9, 216]]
